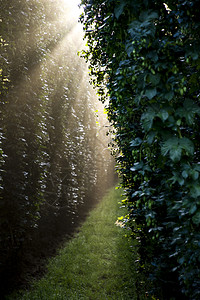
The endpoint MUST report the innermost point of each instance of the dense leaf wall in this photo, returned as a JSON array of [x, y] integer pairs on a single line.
[[144, 57]]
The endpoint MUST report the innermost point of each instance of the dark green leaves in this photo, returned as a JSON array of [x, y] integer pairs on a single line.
[[144, 27], [196, 218], [150, 93], [148, 15], [188, 111], [147, 119], [140, 167], [136, 142], [152, 112], [154, 79], [119, 9], [176, 147], [152, 55], [169, 95], [137, 166]]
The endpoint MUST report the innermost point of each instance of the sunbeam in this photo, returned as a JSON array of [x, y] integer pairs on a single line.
[[71, 9], [53, 162]]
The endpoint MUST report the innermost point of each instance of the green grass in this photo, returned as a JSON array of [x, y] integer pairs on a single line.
[[98, 263]]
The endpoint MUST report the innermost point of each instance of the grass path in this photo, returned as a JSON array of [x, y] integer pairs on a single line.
[[97, 264]]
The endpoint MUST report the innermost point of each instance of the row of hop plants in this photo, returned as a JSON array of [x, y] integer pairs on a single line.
[[52, 158], [144, 58]]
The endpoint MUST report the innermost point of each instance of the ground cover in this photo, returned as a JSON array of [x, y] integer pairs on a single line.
[[98, 263]]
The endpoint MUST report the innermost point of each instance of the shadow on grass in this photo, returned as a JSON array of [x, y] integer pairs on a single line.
[[99, 263]]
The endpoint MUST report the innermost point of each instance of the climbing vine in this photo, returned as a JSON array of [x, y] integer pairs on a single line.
[[144, 58]]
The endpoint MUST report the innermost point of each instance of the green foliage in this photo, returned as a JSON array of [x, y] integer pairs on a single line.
[[175, 147], [52, 156], [147, 53]]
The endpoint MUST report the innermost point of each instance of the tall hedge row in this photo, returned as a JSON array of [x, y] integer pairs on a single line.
[[53, 157], [144, 58]]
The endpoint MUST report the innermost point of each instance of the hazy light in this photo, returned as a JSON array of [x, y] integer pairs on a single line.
[[72, 9]]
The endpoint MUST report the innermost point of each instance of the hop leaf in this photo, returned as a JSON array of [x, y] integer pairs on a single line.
[[175, 146], [136, 142], [150, 93], [147, 119], [188, 111], [196, 218], [154, 79], [137, 166], [119, 9]]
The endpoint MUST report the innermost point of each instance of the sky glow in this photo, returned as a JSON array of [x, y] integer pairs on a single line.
[[72, 6]]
